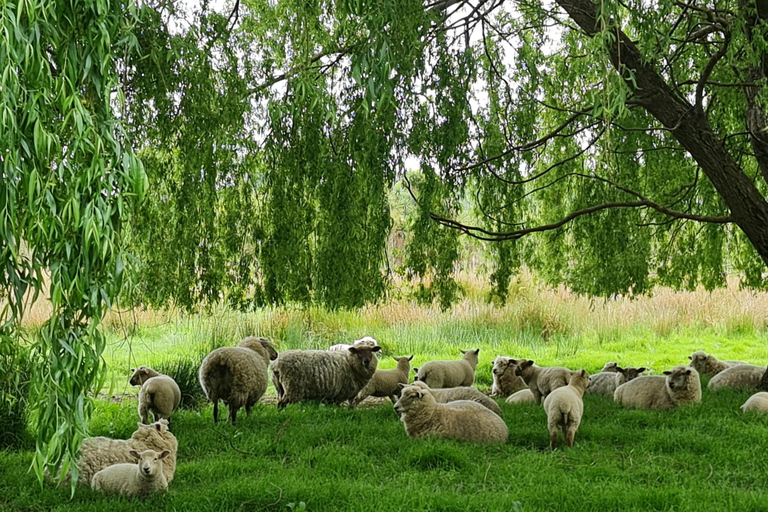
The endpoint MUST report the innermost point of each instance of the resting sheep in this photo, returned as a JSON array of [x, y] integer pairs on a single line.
[[524, 396], [237, 375], [386, 382], [744, 376], [505, 378], [679, 386], [756, 403], [610, 367], [464, 420], [449, 374], [159, 393], [709, 365], [136, 480], [323, 374], [366, 341], [564, 407], [605, 383], [542, 381], [445, 395]]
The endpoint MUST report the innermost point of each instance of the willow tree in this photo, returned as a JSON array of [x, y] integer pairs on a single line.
[[69, 181]]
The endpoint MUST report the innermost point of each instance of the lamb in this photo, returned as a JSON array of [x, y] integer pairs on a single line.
[[449, 374], [366, 341], [463, 420], [323, 374], [159, 393], [605, 383], [136, 480], [97, 453], [709, 365], [679, 386], [756, 403], [505, 379], [744, 376], [237, 375], [564, 407], [542, 381], [524, 396], [445, 395], [385, 382]]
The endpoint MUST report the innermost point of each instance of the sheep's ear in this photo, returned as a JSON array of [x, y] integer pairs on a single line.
[[527, 364], [164, 454], [690, 357], [513, 361], [476, 351], [353, 349], [136, 455], [583, 373], [463, 351], [620, 369], [665, 373], [401, 385], [410, 357], [376, 348], [641, 370], [133, 369]]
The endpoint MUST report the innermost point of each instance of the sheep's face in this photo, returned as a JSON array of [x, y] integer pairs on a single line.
[[524, 369], [502, 365], [630, 373], [270, 349], [411, 398], [150, 462], [610, 367], [700, 361], [140, 374], [365, 355], [678, 377]]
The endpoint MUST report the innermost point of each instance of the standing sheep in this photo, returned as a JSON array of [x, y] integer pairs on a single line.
[[323, 374], [464, 420], [366, 342], [564, 407], [542, 381], [237, 375], [445, 395], [135, 480], [159, 393], [709, 365], [386, 382], [505, 378], [679, 386], [756, 403], [449, 374], [744, 376], [605, 383]]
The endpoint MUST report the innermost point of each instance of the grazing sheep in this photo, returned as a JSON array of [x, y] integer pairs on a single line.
[[709, 365], [464, 420], [605, 383], [134, 480], [505, 378], [385, 382], [756, 403], [366, 341], [97, 453], [677, 387], [237, 375], [542, 381], [524, 396], [564, 407], [744, 376], [323, 374], [445, 395], [159, 393], [449, 374]]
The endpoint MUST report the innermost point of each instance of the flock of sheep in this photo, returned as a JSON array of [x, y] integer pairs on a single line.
[[439, 402]]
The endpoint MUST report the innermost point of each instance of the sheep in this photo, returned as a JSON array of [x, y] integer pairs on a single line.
[[323, 374], [564, 407], [610, 367], [366, 341], [445, 395], [463, 420], [524, 396], [756, 403], [97, 453], [385, 382], [542, 381], [679, 386], [763, 385], [159, 393], [449, 374], [505, 379], [744, 376], [134, 480], [237, 375], [709, 365], [605, 383]]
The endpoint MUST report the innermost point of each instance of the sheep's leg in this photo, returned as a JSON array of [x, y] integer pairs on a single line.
[[216, 411], [144, 413], [233, 413], [552, 427], [248, 409], [569, 434]]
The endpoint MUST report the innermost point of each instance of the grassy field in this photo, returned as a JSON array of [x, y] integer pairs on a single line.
[[316, 457]]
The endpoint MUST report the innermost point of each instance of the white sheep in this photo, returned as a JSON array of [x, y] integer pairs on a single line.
[[464, 420], [605, 383], [136, 480], [367, 341], [505, 378], [542, 381], [323, 374], [524, 396], [756, 403], [449, 374], [679, 386], [237, 375], [386, 382], [159, 393], [744, 376], [709, 365], [564, 407], [445, 395]]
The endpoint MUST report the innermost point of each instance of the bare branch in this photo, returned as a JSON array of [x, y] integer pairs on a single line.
[[708, 70]]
